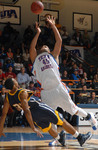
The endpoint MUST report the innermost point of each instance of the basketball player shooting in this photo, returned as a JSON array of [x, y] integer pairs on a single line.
[[45, 68]]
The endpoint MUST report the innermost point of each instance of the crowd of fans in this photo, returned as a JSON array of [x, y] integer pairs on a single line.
[[15, 63]]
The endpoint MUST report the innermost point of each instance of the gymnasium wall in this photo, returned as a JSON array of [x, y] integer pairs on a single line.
[[66, 9]]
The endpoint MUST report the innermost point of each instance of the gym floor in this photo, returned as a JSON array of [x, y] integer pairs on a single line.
[[22, 138]]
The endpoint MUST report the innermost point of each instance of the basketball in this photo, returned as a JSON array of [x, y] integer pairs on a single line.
[[37, 7]]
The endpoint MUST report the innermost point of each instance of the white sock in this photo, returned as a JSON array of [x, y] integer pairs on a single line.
[[58, 137], [76, 134], [81, 112]]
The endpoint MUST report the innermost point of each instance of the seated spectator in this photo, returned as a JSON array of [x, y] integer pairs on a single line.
[[10, 53], [23, 78], [83, 95], [8, 63], [65, 76], [31, 86], [85, 76], [91, 73], [93, 99], [17, 54], [75, 76], [10, 73], [2, 55], [2, 74], [18, 65], [2, 98], [65, 36], [63, 66], [86, 39], [81, 70], [81, 83], [73, 41], [26, 57], [78, 37], [67, 56], [74, 67], [94, 84]]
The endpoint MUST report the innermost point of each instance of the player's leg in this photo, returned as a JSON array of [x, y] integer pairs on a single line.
[[82, 138], [75, 110]]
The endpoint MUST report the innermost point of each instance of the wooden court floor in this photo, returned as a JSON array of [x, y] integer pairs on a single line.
[[22, 138]]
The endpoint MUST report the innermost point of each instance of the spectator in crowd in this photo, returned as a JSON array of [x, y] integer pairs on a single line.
[[8, 63], [65, 36], [26, 57], [92, 99], [75, 76], [73, 68], [17, 54], [23, 78], [67, 56], [73, 41], [78, 37], [65, 76], [10, 53], [18, 65], [81, 70], [91, 73], [85, 76], [2, 55], [83, 95], [86, 39], [63, 66], [2, 74], [94, 83], [10, 73], [81, 83], [2, 98], [31, 86]]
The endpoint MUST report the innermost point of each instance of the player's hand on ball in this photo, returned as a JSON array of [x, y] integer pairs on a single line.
[[37, 27], [37, 132]]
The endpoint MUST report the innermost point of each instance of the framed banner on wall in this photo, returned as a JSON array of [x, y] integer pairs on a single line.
[[42, 16], [83, 21], [10, 14]]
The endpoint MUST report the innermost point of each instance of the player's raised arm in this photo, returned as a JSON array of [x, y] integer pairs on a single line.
[[27, 112], [3, 117], [57, 47], [33, 52]]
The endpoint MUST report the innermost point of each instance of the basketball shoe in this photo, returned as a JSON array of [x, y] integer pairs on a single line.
[[82, 138], [61, 141]]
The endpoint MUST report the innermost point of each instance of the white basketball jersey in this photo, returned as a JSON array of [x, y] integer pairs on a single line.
[[46, 70]]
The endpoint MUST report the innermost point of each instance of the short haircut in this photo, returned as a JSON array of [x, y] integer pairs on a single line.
[[9, 84]]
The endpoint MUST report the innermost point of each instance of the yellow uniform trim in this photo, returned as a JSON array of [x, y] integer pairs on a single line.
[[13, 93], [19, 94], [45, 129], [27, 92], [60, 122], [7, 98]]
